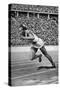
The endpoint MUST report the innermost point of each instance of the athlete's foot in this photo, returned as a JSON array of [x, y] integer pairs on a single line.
[[40, 59], [54, 66]]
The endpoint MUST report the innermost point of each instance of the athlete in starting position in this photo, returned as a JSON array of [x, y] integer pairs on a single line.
[[37, 43]]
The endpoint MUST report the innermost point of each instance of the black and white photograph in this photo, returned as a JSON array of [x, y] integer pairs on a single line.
[[33, 44]]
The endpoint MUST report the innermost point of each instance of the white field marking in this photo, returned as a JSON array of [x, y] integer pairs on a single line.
[[33, 74], [27, 48]]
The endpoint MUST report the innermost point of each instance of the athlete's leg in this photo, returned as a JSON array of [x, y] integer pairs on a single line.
[[43, 50], [34, 56]]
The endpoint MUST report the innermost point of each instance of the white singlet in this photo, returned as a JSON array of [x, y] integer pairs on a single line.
[[39, 42]]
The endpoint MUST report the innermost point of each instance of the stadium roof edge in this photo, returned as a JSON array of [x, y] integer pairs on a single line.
[[34, 8], [34, 5], [35, 12]]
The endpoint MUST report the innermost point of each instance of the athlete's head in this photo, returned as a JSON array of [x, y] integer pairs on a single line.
[[23, 27]]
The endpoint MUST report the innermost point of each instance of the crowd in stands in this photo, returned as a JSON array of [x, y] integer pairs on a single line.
[[47, 29]]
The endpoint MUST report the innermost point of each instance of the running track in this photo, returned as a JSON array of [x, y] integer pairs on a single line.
[[24, 71]]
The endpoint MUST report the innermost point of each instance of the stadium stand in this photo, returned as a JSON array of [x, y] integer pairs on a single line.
[[42, 19]]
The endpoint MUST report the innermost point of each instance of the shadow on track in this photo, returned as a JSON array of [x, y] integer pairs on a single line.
[[45, 67]]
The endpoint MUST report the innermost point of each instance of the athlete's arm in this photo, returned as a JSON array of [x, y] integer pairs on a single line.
[[30, 37], [27, 38]]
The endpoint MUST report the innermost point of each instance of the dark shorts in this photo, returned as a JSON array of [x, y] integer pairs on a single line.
[[43, 50]]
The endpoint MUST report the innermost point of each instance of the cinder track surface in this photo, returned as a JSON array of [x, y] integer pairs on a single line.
[[24, 71]]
